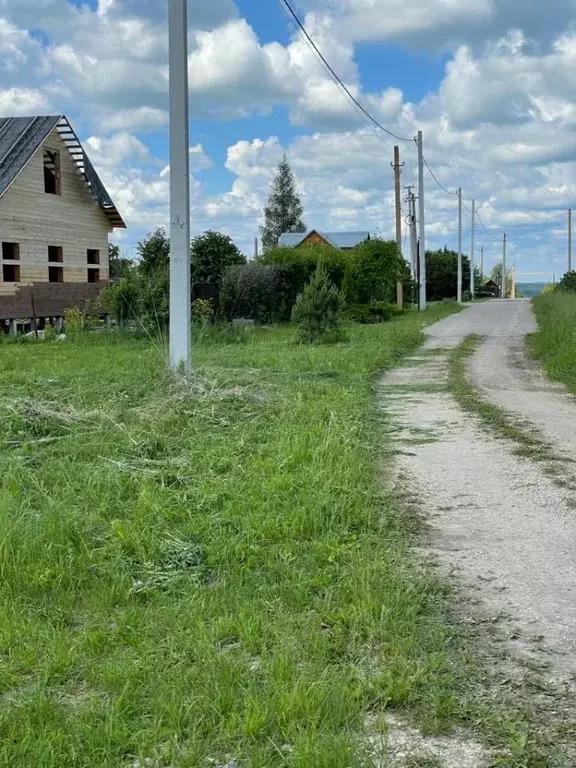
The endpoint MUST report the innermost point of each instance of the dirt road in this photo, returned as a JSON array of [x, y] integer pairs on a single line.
[[505, 524]]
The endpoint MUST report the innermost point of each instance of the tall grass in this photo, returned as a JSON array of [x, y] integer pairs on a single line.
[[206, 570], [555, 342]]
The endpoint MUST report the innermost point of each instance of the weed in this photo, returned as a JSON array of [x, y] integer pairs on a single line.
[[555, 342], [198, 569]]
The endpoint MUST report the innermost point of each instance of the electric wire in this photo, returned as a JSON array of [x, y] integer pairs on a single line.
[[302, 31]]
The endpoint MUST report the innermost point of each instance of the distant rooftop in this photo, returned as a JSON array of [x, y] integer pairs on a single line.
[[337, 239]]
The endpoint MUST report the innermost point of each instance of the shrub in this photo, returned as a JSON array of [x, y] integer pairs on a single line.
[[73, 321], [378, 312], [568, 282], [122, 299], [251, 291], [154, 302], [296, 267], [318, 310], [49, 332], [203, 311]]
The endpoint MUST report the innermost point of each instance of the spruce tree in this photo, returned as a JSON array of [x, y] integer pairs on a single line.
[[284, 210]]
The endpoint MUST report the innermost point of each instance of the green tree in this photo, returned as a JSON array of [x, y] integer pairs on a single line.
[[119, 265], [496, 275], [568, 282], [442, 274], [211, 254], [318, 310], [154, 253], [284, 210], [374, 268]]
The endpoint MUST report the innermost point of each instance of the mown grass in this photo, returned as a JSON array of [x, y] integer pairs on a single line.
[[206, 571], [555, 341]]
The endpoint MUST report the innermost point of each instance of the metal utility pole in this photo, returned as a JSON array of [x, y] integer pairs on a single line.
[[482, 260], [396, 165], [503, 292], [570, 240], [422, 233], [411, 219], [472, 247], [398, 201], [459, 278], [180, 311]]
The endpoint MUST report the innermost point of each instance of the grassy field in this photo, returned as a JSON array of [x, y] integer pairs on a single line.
[[555, 342], [196, 573]]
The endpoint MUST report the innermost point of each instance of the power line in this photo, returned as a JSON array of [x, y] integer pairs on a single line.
[[436, 180], [285, 5]]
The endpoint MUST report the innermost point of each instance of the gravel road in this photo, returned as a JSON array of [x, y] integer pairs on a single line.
[[500, 521]]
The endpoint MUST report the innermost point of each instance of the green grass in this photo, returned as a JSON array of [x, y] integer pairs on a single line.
[[529, 442], [555, 341], [195, 571]]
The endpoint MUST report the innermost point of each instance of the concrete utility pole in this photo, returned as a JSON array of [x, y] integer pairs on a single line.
[[459, 278], [482, 260], [411, 200], [422, 244], [180, 310], [398, 201], [255, 248], [503, 292], [472, 248], [570, 240], [513, 288]]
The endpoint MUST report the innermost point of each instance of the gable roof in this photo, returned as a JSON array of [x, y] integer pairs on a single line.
[[336, 239], [20, 137]]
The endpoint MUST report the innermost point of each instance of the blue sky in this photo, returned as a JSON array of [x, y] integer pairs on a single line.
[[488, 82]]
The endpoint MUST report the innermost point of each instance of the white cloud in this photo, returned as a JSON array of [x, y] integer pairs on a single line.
[[22, 101], [502, 122]]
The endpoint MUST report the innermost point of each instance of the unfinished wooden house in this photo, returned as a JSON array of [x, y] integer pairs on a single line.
[[55, 218]]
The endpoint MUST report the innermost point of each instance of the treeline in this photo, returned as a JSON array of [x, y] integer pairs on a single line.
[[265, 290]]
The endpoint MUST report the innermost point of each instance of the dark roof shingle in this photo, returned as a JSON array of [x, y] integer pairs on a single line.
[[20, 137]]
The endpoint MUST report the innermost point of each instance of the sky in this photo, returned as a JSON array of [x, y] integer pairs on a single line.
[[491, 84]]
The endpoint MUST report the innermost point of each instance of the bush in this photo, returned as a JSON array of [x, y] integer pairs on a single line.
[[318, 310], [73, 321], [568, 282], [296, 267], [122, 299], [49, 332], [373, 270], [251, 291], [378, 312], [202, 311]]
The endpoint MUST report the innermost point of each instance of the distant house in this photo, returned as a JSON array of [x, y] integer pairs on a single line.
[[55, 218], [492, 287], [343, 240]]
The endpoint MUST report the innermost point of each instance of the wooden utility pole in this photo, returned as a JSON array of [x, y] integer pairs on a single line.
[[421, 222], [570, 240], [398, 205], [33, 307], [472, 248], [459, 278], [503, 291]]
